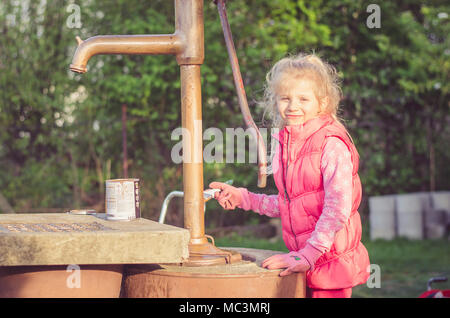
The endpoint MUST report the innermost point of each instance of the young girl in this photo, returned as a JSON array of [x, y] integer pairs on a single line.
[[316, 173]]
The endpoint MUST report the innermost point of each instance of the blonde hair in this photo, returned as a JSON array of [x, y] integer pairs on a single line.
[[303, 65]]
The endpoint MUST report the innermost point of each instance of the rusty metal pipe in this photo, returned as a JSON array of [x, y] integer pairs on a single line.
[[124, 44], [191, 118]]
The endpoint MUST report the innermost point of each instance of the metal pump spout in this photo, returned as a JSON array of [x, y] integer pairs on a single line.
[[124, 44]]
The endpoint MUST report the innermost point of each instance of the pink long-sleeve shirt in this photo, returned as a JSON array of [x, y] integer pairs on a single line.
[[336, 167]]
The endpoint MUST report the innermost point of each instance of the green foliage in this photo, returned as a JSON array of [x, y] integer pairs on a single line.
[[61, 132]]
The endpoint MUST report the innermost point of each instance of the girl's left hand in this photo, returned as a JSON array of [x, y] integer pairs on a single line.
[[294, 262]]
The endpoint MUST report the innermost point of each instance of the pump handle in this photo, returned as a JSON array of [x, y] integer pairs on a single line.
[[242, 97]]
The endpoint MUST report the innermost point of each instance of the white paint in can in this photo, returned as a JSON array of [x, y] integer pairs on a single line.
[[122, 199]]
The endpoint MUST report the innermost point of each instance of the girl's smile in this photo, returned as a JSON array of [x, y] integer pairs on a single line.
[[296, 100]]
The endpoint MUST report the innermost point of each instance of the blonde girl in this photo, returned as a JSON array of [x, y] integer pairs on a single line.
[[316, 174]]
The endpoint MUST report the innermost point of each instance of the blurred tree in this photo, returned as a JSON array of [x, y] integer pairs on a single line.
[[395, 84], [33, 86]]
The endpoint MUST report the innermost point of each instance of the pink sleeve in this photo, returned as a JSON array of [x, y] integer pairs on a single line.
[[260, 203], [336, 168]]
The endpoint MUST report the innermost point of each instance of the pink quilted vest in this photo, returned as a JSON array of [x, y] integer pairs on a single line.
[[299, 181]]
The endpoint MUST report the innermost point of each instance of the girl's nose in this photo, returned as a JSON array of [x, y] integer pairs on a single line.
[[294, 105]]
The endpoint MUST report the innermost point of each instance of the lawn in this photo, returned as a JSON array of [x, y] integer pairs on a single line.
[[405, 266]]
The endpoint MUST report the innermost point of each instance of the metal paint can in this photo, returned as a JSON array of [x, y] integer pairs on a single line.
[[122, 199]]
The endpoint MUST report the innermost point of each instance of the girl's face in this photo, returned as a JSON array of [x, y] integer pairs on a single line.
[[296, 100]]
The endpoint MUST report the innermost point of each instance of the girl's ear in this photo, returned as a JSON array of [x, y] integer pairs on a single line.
[[323, 105]]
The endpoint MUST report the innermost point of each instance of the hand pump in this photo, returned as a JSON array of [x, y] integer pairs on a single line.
[[187, 44]]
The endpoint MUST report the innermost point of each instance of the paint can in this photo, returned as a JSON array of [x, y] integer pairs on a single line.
[[122, 199]]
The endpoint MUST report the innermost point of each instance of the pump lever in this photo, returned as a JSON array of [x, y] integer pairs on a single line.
[[242, 97]]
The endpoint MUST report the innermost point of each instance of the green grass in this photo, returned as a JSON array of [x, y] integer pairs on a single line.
[[405, 266]]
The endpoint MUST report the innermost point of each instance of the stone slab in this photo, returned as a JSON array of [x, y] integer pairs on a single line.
[[382, 217], [62, 238], [410, 211]]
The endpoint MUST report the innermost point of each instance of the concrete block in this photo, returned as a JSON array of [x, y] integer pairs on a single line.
[[437, 217], [435, 224], [61, 238], [440, 200], [382, 217], [410, 213]]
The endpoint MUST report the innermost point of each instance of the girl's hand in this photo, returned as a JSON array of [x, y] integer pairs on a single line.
[[294, 262], [229, 197]]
